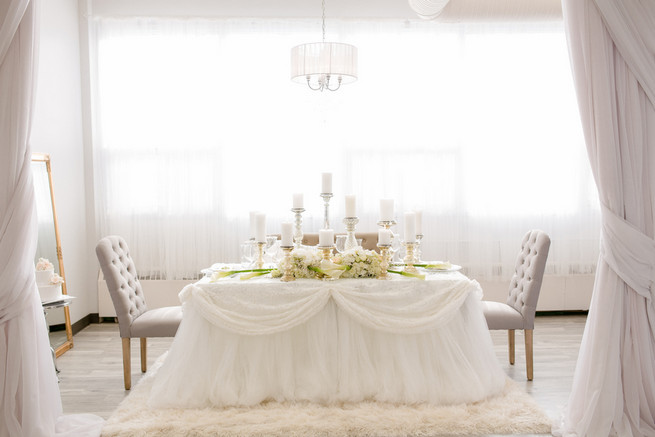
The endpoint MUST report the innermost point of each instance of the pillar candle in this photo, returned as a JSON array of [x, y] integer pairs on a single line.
[[410, 227], [252, 224], [419, 222], [297, 200], [326, 237], [386, 210], [260, 227], [384, 236], [350, 205], [327, 183], [287, 234]]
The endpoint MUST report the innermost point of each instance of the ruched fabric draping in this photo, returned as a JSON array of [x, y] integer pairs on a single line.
[[401, 307], [348, 340], [612, 48], [30, 402]]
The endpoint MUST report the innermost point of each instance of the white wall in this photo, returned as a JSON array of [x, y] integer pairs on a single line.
[[57, 130]]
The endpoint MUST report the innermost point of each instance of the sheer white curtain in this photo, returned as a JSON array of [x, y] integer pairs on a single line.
[[30, 404], [197, 123], [613, 56]]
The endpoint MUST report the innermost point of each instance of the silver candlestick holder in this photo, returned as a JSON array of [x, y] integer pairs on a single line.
[[388, 224], [326, 254], [297, 231], [260, 254], [326, 209], [384, 265], [417, 252], [351, 241], [409, 257], [287, 276]]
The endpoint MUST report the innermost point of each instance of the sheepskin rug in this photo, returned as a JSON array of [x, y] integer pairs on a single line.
[[512, 412]]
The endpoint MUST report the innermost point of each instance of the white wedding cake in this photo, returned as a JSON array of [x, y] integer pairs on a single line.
[[48, 282]]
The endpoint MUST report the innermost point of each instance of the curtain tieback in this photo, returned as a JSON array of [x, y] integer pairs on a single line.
[[629, 252]]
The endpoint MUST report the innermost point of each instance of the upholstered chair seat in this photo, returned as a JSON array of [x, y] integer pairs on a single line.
[[524, 288], [135, 320]]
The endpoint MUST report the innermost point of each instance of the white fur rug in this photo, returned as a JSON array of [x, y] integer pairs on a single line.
[[513, 412]]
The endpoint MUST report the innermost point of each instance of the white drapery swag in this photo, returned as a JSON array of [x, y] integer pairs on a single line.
[[612, 46], [342, 341], [29, 394]]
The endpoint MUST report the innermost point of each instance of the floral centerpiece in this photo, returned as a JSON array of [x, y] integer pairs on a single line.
[[359, 263], [308, 263]]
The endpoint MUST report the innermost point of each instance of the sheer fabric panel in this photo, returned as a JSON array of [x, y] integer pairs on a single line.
[[30, 403], [198, 123], [612, 52]]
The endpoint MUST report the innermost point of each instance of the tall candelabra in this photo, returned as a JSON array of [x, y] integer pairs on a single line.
[[297, 231], [326, 209], [351, 241], [287, 275], [387, 224], [384, 265], [409, 257], [260, 254]]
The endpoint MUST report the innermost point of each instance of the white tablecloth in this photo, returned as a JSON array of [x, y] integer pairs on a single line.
[[402, 340]]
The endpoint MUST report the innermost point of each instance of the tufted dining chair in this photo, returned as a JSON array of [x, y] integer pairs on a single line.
[[519, 311], [135, 320], [369, 239]]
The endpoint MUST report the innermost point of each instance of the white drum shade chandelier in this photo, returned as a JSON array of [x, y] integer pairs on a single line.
[[324, 65]]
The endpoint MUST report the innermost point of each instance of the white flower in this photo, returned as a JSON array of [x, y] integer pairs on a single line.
[[56, 279], [44, 264], [360, 263]]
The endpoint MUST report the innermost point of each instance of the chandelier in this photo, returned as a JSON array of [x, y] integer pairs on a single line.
[[324, 65]]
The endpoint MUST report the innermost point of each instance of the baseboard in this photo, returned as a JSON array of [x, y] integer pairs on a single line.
[[562, 313], [84, 322]]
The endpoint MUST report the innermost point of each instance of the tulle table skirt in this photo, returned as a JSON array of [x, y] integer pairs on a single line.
[[402, 341]]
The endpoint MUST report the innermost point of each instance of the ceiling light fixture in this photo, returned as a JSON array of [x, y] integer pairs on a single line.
[[321, 64]]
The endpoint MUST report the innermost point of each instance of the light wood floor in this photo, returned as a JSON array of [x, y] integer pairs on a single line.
[[91, 378]]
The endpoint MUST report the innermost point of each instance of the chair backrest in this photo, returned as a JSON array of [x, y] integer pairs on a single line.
[[122, 281], [529, 272], [369, 239]]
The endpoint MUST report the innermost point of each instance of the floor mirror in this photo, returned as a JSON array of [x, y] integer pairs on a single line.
[[49, 247]]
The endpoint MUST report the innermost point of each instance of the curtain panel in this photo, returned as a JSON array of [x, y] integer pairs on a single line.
[[612, 47], [197, 123], [30, 404]]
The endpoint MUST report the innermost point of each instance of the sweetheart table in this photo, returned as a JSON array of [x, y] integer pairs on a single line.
[[401, 340]]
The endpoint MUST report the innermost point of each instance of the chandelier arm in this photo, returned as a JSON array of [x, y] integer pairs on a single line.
[[338, 84], [309, 84]]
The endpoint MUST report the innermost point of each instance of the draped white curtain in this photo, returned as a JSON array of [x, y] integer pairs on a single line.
[[29, 395], [197, 123], [612, 48]]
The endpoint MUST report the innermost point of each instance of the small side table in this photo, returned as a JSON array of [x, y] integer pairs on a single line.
[[59, 303]]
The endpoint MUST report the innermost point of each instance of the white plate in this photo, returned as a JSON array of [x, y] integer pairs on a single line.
[[453, 268]]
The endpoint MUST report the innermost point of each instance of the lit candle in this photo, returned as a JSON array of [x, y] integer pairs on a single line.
[[410, 227], [287, 234], [297, 200], [327, 183], [260, 227], [252, 224], [419, 222], [386, 210], [350, 205], [326, 237], [384, 237]]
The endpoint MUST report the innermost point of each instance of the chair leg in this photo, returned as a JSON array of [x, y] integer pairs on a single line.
[[127, 368], [510, 340], [144, 355], [528, 353]]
